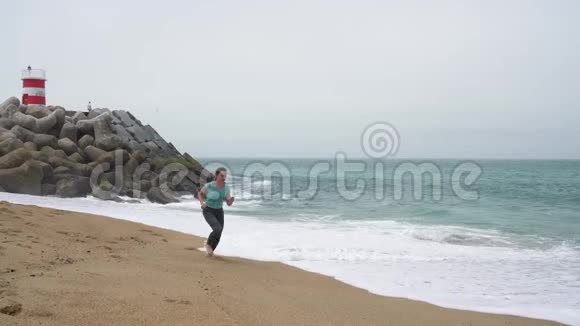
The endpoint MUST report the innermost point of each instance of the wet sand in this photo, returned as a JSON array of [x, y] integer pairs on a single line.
[[68, 268]]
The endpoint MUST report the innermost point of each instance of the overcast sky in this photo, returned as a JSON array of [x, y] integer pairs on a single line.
[[461, 79]]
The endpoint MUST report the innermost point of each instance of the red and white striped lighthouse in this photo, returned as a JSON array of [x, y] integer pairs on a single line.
[[33, 82]]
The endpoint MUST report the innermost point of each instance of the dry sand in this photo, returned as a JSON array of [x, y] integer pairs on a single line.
[[67, 268]]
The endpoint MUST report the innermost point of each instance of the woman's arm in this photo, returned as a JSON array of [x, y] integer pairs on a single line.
[[200, 196], [229, 198]]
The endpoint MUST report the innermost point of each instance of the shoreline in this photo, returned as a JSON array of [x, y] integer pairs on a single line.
[[114, 268]]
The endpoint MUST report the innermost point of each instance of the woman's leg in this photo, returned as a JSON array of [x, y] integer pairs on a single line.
[[212, 217], [220, 218]]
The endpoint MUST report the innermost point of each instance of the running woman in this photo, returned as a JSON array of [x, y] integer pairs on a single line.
[[211, 198]]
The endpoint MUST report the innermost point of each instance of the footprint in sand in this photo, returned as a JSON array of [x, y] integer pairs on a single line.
[[177, 301]]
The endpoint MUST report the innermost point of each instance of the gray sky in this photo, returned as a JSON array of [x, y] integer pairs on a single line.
[[467, 79]]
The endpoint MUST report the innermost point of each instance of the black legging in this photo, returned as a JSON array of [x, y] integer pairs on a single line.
[[215, 218]]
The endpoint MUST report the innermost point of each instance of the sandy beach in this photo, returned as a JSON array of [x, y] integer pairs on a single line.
[[68, 268]]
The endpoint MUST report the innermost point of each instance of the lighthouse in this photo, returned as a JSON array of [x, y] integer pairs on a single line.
[[33, 86]]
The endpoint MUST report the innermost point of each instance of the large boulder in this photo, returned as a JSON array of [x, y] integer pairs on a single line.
[[9, 106], [30, 146], [155, 195], [105, 138], [47, 189], [5, 134], [67, 145], [73, 186], [15, 158], [6, 123], [136, 146], [120, 131], [74, 167], [93, 153], [23, 120], [37, 111], [85, 141], [97, 112], [42, 140], [10, 144], [22, 133], [79, 116], [47, 171], [62, 170], [24, 179], [43, 125], [76, 157], [69, 131], [87, 126]]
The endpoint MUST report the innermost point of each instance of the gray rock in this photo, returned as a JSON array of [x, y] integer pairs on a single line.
[[188, 186], [42, 140], [47, 171], [49, 151], [23, 120], [87, 126], [76, 157], [78, 116], [165, 148], [137, 121], [69, 131], [104, 137], [124, 118], [139, 134], [134, 146], [155, 195], [9, 104], [96, 112], [61, 170], [60, 154], [15, 158], [130, 166], [47, 189], [22, 108], [24, 179], [106, 191], [93, 153], [10, 144], [6, 123], [106, 195], [73, 186], [85, 141], [22, 133], [120, 131], [151, 133], [30, 146], [37, 111], [67, 145], [199, 170], [151, 147], [43, 125], [74, 167], [116, 157]]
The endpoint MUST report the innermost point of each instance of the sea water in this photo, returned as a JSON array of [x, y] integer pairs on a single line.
[[514, 248]]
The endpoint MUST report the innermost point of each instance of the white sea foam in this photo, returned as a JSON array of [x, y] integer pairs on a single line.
[[449, 266]]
